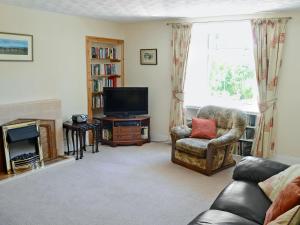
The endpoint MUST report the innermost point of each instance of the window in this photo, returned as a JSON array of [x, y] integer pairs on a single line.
[[220, 69]]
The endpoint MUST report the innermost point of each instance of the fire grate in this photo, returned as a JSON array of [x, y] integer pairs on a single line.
[[25, 161]]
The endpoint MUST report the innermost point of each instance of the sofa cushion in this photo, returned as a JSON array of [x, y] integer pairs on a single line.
[[291, 217], [245, 199], [218, 217], [194, 146], [275, 184], [288, 198], [257, 169]]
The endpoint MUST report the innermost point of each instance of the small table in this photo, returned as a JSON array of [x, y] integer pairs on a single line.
[[79, 130]]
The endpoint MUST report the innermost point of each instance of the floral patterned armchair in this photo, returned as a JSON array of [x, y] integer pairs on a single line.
[[204, 155]]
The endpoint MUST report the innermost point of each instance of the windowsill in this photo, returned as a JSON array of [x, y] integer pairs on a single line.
[[190, 107]]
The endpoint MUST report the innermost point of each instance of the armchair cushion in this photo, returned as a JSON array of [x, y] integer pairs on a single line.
[[204, 128], [193, 146], [181, 132]]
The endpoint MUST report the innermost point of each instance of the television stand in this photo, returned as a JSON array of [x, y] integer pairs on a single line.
[[125, 131]]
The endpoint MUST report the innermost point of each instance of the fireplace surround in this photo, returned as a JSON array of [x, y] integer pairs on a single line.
[[49, 113]]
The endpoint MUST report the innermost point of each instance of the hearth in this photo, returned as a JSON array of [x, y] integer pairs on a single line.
[[22, 146]]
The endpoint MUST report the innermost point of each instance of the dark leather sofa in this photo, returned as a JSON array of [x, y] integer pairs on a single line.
[[242, 202]]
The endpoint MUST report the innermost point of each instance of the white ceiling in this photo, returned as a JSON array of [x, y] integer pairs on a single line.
[[137, 10]]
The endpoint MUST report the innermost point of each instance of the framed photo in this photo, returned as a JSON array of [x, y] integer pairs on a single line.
[[148, 56], [16, 47]]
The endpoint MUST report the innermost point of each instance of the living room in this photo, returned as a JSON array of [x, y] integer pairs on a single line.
[[58, 74]]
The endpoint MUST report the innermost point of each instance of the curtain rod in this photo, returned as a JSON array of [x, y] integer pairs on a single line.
[[230, 20]]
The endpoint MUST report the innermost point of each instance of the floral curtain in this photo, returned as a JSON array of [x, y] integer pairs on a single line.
[[181, 36], [268, 38]]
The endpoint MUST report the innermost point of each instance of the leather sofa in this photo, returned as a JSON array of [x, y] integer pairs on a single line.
[[242, 202]]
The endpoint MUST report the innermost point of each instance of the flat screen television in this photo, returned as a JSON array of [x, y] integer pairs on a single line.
[[125, 101]]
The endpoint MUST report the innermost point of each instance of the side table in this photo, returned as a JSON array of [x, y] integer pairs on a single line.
[[79, 131]]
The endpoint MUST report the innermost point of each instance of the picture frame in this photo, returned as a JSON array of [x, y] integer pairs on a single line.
[[148, 56], [16, 47]]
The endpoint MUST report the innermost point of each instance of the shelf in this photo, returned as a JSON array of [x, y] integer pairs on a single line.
[[97, 93], [98, 110], [106, 59], [246, 140], [97, 77]]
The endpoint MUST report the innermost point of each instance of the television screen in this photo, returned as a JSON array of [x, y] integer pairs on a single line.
[[125, 101]]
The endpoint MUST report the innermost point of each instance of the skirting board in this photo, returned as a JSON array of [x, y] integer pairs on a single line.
[[160, 138]]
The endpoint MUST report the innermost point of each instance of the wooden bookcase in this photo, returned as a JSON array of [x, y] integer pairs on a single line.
[[104, 68], [246, 141]]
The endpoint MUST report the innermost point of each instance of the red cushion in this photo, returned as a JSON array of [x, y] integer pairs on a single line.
[[204, 128], [288, 198]]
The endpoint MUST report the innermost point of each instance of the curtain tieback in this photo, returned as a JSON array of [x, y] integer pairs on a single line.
[[178, 95], [264, 106]]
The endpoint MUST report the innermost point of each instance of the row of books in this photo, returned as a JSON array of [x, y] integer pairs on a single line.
[[251, 120], [248, 134], [103, 69], [98, 85], [104, 53], [244, 148], [97, 102], [106, 134]]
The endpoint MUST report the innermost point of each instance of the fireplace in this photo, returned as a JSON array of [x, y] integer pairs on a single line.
[[22, 146]]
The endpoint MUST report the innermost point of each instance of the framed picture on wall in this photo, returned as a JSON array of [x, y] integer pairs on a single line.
[[148, 56], [16, 47]]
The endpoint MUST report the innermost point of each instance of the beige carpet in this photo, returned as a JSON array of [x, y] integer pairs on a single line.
[[117, 186]]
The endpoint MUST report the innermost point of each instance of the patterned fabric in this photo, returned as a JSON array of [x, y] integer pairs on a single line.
[[181, 40], [226, 118], [194, 146], [268, 38], [200, 162], [181, 132], [231, 124], [272, 186], [291, 217], [288, 198]]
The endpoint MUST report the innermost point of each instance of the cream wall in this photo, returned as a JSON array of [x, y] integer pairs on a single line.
[[158, 35], [156, 77], [288, 97], [58, 70]]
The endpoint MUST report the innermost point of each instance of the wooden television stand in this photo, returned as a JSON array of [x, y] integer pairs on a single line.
[[125, 131]]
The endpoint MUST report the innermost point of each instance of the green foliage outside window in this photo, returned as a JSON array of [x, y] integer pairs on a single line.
[[231, 80]]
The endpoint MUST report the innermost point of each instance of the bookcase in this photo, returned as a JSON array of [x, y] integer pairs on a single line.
[[104, 68], [246, 141]]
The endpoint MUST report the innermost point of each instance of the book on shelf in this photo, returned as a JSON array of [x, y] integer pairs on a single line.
[[103, 53], [97, 102], [99, 84], [106, 134], [103, 69], [251, 120]]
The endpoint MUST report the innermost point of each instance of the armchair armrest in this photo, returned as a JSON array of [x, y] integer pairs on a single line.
[[180, 132], [257, 169], [226, 139]]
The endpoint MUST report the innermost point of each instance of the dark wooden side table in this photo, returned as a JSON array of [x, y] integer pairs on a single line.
[[78, 131]]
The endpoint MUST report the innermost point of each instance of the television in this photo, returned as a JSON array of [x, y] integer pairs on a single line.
[[125, 101]]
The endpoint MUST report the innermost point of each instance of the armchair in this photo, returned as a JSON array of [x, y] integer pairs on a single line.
[[204, 155]]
